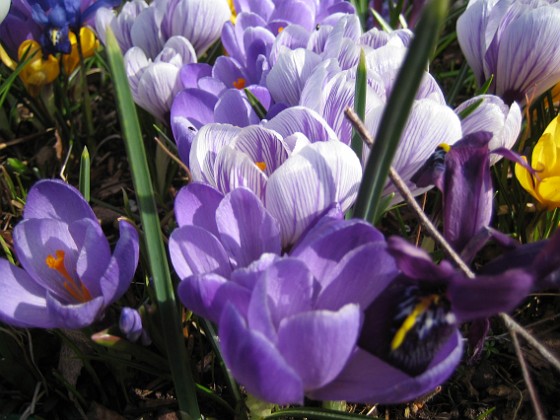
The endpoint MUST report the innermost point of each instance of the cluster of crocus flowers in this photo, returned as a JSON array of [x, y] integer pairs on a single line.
[[544, 183], [69, 275]]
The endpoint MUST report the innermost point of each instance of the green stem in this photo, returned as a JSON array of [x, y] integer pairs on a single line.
[[185, 388]]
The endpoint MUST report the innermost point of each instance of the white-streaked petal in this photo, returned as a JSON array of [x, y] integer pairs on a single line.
[[205, 147], [320, 176]]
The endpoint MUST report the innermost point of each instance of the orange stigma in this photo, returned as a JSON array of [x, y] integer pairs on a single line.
[[261, 165], [239, 83], [80, 293], [280, 29]]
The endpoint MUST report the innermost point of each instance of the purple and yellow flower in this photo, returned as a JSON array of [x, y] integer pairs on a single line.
[[69, 275], [515, 42], [410, 341], [544, 183], [275, 312]]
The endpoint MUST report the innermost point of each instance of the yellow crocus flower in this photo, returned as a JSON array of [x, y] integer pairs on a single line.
[[89, 44], [39, 71], [545, 160]]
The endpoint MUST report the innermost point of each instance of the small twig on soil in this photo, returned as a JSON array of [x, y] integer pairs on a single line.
[[539, 415]]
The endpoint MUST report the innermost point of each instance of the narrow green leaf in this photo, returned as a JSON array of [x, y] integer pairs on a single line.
[[85, 166], [315, 414], [255, 104], [484, 88], [171, 326], [397, 110], [470, 109], [360, 94], [361, 7]]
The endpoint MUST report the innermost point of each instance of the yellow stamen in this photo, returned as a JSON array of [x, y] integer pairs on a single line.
[[446, 147], [411, 319], [280, 29], [55, 36], [261, 165], [80, 293], [239, 83]]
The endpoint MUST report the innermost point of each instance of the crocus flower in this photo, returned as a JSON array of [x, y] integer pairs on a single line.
[[293, 163], [516, 42], [544, 184], [58, 17], [68, 275], [155, 83], [287, 324], [130, 324], [410, 342]]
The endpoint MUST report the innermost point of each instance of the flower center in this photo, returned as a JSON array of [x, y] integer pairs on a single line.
[[54, 35], [421, 325], [239, 83], [77, 291], [261, 165]]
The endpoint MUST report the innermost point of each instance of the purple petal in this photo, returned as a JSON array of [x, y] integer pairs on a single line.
[[302, 338], [352, 279], [194, 250], [118, 275], [146, 33], [256, 363], [321, 175], [54, 199], [196, 204], [299, 119], [368, 379], [205, 147], [234, 108], [191, 73], [246, 229], [34, 241], [234, 169], [471, 27], [23, 302], [74, 316], [286, 79], [208, 294], [157, 88], [262, 145], [488, 295], [330, 240]]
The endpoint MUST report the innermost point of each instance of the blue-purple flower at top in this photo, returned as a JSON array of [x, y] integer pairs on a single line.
[[410, 342], [293, 163], [58, 17], [68, 275], [516, 42], [287, 324]]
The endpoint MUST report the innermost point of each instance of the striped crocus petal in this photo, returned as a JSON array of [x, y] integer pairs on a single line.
[[320, 176]]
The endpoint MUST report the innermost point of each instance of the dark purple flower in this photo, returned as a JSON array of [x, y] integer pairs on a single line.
[[69, 275], [58, 17], [410, 341]]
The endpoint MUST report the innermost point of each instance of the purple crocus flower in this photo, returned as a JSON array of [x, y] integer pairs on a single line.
[[410, 341], [68, 275], [130, 324], [275, 313], [293, 163], [516, 42], [154, 84], [17, 27]]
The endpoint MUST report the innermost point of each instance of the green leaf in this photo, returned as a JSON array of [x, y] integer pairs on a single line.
[[85, 166], [360, 94], [185, 389], [397, 110]]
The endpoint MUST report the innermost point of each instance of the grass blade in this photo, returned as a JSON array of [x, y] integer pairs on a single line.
[[171, 327], [360, 95]]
